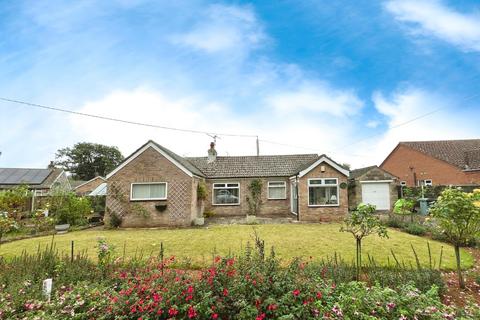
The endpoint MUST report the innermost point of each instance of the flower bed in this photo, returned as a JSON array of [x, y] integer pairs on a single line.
[[249, 286]]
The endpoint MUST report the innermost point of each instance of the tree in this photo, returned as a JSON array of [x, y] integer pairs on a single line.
[[361, 223], [87, 160], [458, 216], [404, 207], [14, 200]]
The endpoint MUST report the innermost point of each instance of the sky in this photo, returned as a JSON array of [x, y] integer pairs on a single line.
[[349, 79]]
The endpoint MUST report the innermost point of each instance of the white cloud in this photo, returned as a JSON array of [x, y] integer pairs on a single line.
[[145, 105], [403, 106], [317, 97], [224, 28], [434, 18], [373, 124]]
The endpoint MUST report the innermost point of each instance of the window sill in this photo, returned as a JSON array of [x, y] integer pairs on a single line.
[[323, 205], [158, 199], [225, 204], [276, 198]]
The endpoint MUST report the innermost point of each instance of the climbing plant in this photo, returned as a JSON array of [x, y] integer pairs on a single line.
[[255, 196]]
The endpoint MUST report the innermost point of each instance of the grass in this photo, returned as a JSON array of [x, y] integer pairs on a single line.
[[198, 245]]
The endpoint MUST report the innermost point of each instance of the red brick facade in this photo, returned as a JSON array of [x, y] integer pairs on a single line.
[[410, 166]]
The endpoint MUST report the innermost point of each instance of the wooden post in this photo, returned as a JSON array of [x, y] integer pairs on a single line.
[[71, 256]]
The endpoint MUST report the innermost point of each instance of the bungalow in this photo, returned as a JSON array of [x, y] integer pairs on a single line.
[[156, 187], [40, 181]]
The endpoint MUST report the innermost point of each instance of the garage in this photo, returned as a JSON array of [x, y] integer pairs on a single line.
[[374, 186], [377, 194]]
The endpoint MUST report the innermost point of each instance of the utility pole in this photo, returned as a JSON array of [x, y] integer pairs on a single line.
[[258, 147]]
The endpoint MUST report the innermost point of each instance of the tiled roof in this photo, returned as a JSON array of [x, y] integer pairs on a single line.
[[38, 178], [253, 166], [360, 171], [464, 154]]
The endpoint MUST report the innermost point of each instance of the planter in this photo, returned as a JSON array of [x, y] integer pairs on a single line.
[[62, 228], [161, 207], [199, 221], [251, 219]]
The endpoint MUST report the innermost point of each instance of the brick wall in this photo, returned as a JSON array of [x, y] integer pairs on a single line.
[[269, 208], [316, 214], [375, 174], [151, 166], [425, 167], [89, 186]]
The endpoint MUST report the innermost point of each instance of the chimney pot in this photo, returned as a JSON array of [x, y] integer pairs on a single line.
[[212, 153]]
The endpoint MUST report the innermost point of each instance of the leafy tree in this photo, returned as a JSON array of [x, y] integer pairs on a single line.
[[458, 215], [361, 223], [87, 160]]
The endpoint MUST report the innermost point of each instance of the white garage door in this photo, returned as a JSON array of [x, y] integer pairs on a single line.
[[377, 193]]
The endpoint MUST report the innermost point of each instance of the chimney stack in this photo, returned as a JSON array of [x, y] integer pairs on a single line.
[[212, 153], [51, 165]]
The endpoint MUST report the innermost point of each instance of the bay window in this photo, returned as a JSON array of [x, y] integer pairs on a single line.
[[323, 192]]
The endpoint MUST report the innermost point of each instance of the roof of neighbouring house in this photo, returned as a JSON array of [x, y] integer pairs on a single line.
[[100, 190], [253, 166], [464, 154], [356, 173], [38, 178]]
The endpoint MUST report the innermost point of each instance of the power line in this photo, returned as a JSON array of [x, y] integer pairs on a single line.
[[35, 105]]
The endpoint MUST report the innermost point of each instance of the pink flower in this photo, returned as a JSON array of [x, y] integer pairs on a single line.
[[296, 292]]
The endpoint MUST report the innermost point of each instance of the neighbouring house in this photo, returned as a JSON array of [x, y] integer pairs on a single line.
[[156, 187], [448, 162], [86, 187], [372, 185], [40, 181]]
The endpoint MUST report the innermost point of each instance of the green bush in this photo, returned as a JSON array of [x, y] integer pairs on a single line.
[[115, 220], [69, 208], [415, 229], [393, 222]]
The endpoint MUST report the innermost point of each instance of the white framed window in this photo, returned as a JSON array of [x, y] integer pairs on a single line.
[[323, 192], [226, 194], [425, 183], [403, 183], [148, 191], [277, 190]]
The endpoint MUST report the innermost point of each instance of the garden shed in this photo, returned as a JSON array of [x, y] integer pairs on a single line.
[[372, 185]]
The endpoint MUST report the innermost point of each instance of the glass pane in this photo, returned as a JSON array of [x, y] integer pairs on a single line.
[[232, 185], [330, 181], [272, 184], [219, 185], [276, 192], [322, 195], [140, 191], [319, 181], [226, 196], [157, 191]]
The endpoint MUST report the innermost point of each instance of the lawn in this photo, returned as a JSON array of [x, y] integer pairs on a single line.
[[198, 245]]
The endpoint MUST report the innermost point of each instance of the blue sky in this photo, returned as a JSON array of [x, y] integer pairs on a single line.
[[335, 77]]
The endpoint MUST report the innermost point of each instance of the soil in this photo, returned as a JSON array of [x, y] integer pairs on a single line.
[[457, 296]]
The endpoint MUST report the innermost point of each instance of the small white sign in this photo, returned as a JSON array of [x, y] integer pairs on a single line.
[[45, 212], [47, 288]]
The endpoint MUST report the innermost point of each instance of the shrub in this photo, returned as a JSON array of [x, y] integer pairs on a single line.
[[115, 220], [201, 191], [394, 222], [66, 207], [415, 229], [208, 213]]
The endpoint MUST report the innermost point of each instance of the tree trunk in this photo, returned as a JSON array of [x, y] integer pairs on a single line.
[[359, 258], [461, 283]]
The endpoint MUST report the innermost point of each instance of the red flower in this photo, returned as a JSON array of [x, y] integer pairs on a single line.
[[225, 292], [272, 307], [217, 259], [189, 297], [296, 292], [160, 311], [319, 295], [214, 316], [190, 289], [261, 316], [191, 312], [172, 312]]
